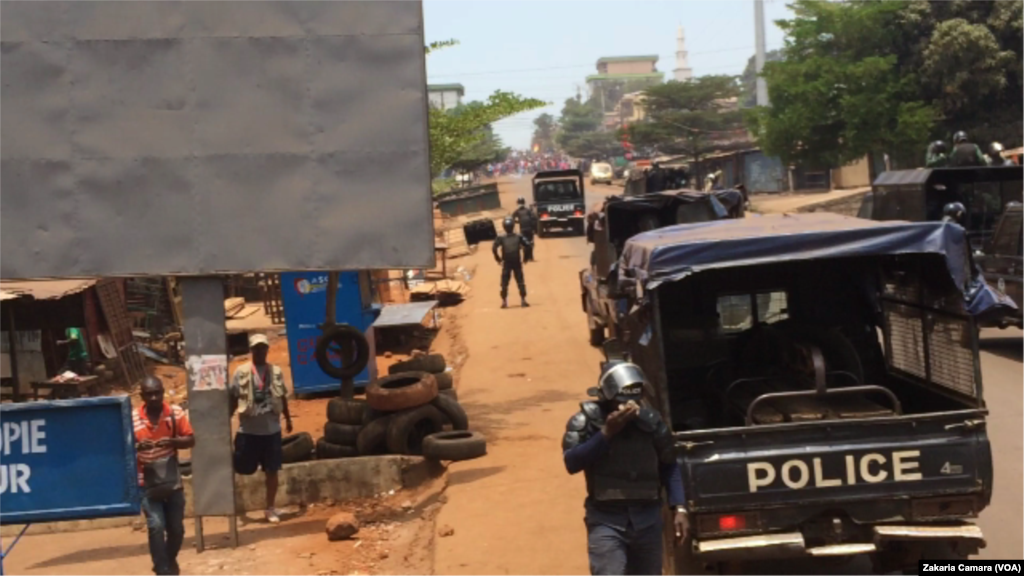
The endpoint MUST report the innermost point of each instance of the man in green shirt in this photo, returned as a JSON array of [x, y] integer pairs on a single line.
[[78, 353]]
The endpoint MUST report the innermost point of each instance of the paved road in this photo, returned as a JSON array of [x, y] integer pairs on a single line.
[[517, 511]]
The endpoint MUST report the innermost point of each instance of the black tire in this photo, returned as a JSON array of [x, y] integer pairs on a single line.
[[327, 451], [342, 411], [408, 428], [371, 415], [296, 448], [332, 340], [455, 445], [401, 391], [451, 393], [452, 411], [373, 438], [445, 380], [341, 434], [429, 363]]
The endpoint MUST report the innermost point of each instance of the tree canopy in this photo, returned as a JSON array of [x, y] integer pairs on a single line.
[[690, 118], [544, 130], [580, 132], [462, 135], [873, 76]]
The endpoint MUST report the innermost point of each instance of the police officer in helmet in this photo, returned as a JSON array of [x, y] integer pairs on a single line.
[[954, 212], [506, 252], [937, 155], [996, 157], [624, 450], [965, 153], [527, 226]]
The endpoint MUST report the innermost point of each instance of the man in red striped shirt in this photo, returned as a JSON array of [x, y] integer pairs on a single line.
[[160, 431]]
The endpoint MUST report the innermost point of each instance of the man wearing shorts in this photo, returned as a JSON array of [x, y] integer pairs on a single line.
[[258, 396]]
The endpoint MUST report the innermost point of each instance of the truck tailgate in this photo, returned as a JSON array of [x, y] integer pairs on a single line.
[[836, 461]]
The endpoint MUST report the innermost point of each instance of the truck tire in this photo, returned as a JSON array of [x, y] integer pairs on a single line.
[[327, 451], [332, 340], [373, 438], [296, 448], [455, 446], [452, 411], [445, 380], [408, 429], [401, 391], [341, 434], [430, 363], [451, 393], [371, 415], [342, 411]]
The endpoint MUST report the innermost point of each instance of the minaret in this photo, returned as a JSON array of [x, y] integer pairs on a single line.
[[683, 72]]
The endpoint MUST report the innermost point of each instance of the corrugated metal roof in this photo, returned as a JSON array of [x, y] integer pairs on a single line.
[[403, 314], [44, 289]]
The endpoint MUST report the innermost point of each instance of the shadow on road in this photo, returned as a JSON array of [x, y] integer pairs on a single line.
[[1009, 347], [473, 474]]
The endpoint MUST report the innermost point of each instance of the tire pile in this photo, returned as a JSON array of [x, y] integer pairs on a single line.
[[413, 410]]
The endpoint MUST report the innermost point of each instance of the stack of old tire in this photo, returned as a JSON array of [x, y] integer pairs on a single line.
[[409, 411]]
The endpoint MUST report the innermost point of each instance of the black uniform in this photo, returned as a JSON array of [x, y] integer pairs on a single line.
[[527, 227], [510, 244], [967, 154]]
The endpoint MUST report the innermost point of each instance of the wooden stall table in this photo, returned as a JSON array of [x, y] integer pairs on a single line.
[[64, 389]]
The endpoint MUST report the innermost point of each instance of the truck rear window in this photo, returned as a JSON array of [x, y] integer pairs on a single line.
[[558, 190], [736, 312]]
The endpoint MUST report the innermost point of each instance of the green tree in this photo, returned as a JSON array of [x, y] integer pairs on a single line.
[[485, 148], [462, 133], [580, 133], [691, 118], [544, 130]]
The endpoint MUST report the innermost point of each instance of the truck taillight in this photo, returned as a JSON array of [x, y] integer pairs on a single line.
[[727, 523], [544, 216], [577, 213], [732, 522]]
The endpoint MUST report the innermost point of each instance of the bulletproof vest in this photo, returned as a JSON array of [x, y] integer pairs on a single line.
[[525, 218], [964, 154], [510, 245], [629, 471]]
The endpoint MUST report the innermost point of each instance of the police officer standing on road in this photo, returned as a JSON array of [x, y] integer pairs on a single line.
[[527, 226], [625, 452], [966, 153], [509, 246]]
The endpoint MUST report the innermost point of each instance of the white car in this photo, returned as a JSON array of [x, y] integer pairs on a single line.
[[600, 172]]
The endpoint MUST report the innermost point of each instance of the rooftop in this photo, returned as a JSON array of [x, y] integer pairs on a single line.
[[447, 88], [647, 58], [659, 75]]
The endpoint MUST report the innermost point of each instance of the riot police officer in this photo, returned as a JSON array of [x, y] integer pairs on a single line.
[[965, 153], [996, 157], [936, 156], [624, 450], [954, 212], [527, 227], [510, 246]]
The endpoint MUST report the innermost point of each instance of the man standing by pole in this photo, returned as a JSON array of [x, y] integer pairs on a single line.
[[259, 397]]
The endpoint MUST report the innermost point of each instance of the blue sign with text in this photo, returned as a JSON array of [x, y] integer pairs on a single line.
[[67, 460]]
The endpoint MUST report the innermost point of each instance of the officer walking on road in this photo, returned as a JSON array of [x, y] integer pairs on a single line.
[[527, 227], [509, 246], [625, 452]]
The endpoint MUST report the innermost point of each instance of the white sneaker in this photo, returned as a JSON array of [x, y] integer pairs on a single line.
[[272, 516]]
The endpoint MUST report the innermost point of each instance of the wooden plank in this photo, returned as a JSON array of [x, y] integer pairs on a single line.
[[233, 306]]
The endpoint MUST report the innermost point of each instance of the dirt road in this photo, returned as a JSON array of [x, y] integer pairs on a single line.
[[517, 511]]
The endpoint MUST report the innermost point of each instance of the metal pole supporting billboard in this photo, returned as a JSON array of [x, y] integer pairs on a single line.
[[213, 479]]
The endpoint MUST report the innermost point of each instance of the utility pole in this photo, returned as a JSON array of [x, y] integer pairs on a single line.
[[759, 54]]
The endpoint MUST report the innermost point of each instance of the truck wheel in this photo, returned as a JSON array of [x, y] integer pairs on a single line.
[[332, 341], [401, 391], [408, 429], [455, 445], [432, 363]]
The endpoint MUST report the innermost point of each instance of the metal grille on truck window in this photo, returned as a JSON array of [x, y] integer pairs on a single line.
[[950, 355], [906, 349]]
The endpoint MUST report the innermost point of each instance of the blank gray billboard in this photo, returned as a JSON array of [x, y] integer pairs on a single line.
[[204, 137]]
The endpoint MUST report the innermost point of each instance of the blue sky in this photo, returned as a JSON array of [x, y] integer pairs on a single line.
[[546, 49]]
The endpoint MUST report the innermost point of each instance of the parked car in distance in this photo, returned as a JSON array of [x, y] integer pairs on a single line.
[[601, 172]]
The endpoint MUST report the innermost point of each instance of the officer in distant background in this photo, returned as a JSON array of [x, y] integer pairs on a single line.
[[937, 156], [966, 153], [509, 246], [625, 452], [527, 227]]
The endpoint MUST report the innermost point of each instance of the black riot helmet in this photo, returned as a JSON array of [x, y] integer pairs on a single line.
[[959, 137], [953, 212], [621, 382], [508, 224], [521, 201], [939, 147], [995, 150]]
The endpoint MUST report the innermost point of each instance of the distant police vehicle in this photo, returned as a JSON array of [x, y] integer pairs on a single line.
[[558, 201], [821, 376]]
